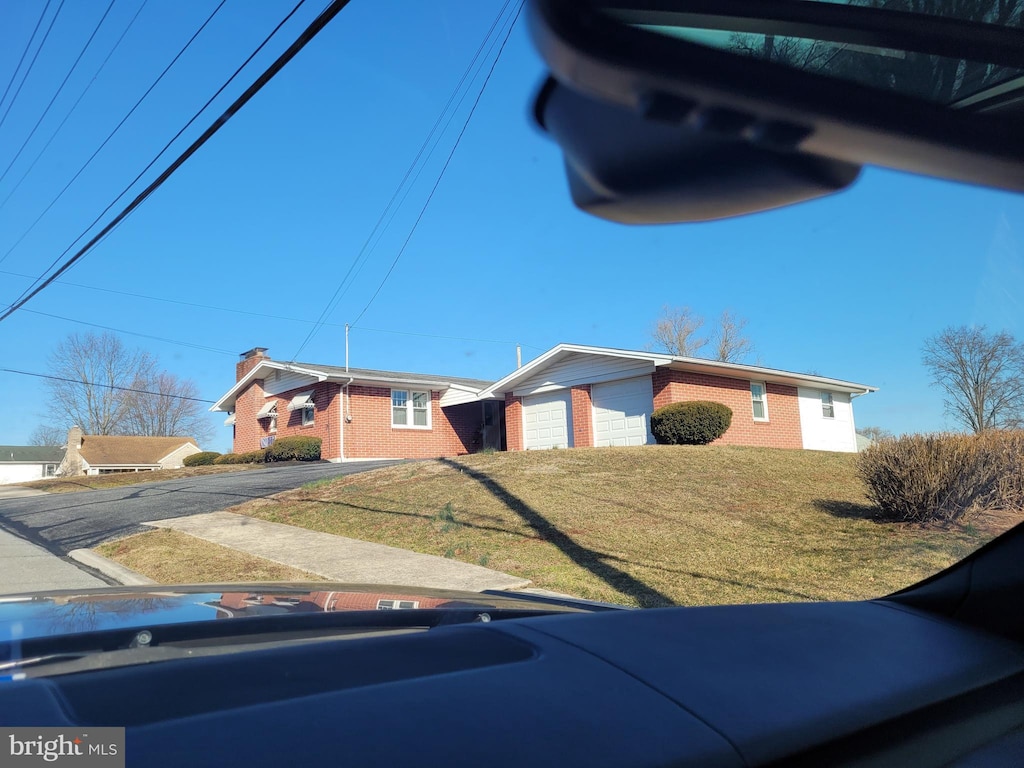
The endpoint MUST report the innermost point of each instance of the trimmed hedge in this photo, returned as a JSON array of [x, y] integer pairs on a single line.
[[201, 459], [695, 422], [945, 477], [294, 449], [252, 457]]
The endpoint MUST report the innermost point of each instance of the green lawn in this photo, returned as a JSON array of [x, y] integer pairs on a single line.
[[644, 526]]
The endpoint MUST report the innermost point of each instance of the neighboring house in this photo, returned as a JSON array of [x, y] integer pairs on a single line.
[[571, 396], [107, 454], [22, 463]]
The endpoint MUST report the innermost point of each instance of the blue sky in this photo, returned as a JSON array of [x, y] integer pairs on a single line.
[[269, 215]]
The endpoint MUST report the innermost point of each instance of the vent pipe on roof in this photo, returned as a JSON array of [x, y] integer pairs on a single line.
[[519, 357]]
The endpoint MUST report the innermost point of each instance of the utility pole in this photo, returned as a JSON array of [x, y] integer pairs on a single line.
[[346, 347], [519, 357]]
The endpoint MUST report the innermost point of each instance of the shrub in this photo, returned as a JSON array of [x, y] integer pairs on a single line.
[[945, 477], [201, 459], [294, 449], [696, 422], [252, 457]]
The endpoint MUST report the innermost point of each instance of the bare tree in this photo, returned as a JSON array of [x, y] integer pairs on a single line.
[[676, 331], [874, 433], [982, 375], [109, 389], [731, 345], [92, 374], [167, 405], [49, 435]]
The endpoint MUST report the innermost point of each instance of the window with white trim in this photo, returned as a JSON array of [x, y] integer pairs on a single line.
[[828, 409], [49, 470], [395, 605], [759, 400], [273, 420], [308, 412], [410, 409]]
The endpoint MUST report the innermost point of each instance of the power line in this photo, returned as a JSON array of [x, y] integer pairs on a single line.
[[74, 106], [110, 136], [106, 386], [308, 34], [60, 88], [32, 63], [132, 333], [249, 313], [341, 290], [444, 168], [14, 74]]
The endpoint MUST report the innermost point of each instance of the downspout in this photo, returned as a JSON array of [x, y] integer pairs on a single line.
[[346, 417]]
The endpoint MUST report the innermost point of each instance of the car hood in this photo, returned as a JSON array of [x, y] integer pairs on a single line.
[[47, 614]]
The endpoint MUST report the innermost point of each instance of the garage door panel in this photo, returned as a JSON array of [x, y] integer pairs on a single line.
[[622, 412], [546, 421]]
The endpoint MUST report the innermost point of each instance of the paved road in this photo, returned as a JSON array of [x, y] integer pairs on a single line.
[[61, 522]]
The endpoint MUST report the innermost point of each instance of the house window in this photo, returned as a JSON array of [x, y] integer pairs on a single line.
[[410, 409], [394, 605], [828, 409], [307, 413], [273, 420], [49, 470], [759, 400]]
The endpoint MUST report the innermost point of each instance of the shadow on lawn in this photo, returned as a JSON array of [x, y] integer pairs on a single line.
[[849, 510], [585, 558]]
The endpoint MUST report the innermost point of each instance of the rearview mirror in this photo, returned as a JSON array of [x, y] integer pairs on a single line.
[[691, 110]]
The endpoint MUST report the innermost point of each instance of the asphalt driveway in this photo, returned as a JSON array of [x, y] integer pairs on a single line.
[[61, 522]]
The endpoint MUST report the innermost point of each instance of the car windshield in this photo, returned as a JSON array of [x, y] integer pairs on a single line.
[[339, 322]]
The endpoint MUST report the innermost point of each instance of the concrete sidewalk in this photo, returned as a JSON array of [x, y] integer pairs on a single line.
[[25, 567], [338, 558]]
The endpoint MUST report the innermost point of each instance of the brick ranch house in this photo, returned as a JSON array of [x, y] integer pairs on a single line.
[[571, 396]]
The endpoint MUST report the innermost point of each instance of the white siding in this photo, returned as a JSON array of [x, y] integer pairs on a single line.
[[453, 396], [823, 434], [282, 381], [583, 369], [174, 459], [20, 473]]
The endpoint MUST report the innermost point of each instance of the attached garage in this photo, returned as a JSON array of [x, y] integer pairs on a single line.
[[546, 420], [622, 411]]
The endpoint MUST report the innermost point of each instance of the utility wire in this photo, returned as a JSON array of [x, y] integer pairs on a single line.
[[133, 333], [31, 64], [263, 315], [342, 289], [124, 119], [105, 386], [444, 168], [14, 74], [60, 88], [308, 34], [74, 106]]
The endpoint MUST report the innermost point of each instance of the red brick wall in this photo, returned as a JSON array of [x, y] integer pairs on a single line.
[[513, 422], [242, 367], [326, 418], [782, 430], [582, 417], [454, 430]]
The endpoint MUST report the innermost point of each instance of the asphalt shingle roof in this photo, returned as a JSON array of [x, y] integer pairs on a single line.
[[43, 454], [118, 449], [337, 370]]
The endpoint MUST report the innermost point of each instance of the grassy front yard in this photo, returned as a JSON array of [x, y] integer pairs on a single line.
[[644, 526], [641, 526], [94, 482]]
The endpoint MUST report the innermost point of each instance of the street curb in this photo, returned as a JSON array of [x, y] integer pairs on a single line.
[[109, 568]]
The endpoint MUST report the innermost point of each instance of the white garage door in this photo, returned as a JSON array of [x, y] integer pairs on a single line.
[[622, 412], [546, 420]]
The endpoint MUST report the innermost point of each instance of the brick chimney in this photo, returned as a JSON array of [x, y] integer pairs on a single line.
[[249, 360]]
